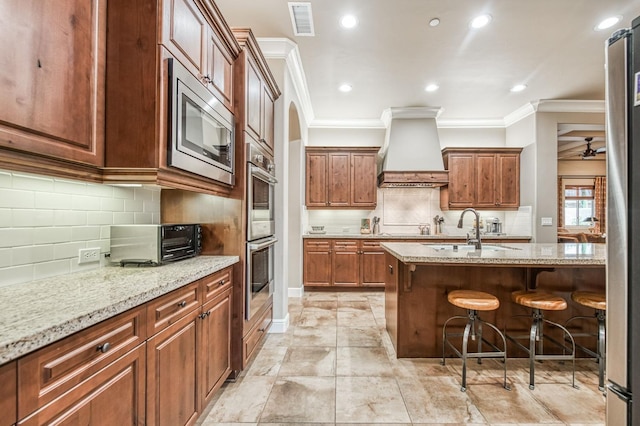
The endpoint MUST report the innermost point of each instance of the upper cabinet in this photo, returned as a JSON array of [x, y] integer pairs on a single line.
[[256, 91], [482, 178], [142, 36], [52, 87], [341, 177]]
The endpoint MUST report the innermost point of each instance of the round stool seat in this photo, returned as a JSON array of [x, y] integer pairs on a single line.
[[474, 300], [539, 300], [590, 299]]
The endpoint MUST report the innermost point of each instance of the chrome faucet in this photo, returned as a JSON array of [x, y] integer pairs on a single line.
[[476, 241]]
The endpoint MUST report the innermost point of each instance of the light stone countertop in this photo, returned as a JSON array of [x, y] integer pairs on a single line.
[[40, 312], [385, 236], [516, 254]]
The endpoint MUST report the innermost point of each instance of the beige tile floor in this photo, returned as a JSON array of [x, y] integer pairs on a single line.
[[336, 365]]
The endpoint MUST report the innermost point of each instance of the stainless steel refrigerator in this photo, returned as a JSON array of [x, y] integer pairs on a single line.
[[623, 226]]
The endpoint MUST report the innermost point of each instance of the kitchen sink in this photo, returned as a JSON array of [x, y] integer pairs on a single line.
[[467, 247]]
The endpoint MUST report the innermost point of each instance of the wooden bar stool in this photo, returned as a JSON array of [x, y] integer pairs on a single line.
[[598, 302], [473, 301], [539, 301]]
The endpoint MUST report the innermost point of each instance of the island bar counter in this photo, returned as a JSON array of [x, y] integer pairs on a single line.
[[419, 277]]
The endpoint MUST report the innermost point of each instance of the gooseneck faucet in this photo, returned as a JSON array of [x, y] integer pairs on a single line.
[[477, 241]]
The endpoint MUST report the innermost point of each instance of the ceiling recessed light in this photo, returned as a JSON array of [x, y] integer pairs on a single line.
[[348, 21], [345, 88], [432, 87], [608, 23], [480, 21], [434, 22], [518, 87]]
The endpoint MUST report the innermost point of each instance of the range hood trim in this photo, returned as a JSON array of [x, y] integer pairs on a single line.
[[413, 179]]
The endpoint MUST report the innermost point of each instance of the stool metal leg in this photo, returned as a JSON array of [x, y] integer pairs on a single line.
[[601, 348], [533, 336], [465, 342]]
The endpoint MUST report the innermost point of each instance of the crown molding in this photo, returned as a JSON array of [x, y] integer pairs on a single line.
[[567, 105], [523, 112], [480, 123], [285, 49], [363, 123]]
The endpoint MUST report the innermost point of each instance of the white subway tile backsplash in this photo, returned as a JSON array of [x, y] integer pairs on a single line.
[[32, 218], [51, 235], [16, 275], [99, 218], [51, 269], [85, 233], [122, 218], [16, 199], [70, 218], [12, 237], [32, 183], [68, 250], [44, 222], [32, 254], [52, 201], [87, 203], [133, 205]]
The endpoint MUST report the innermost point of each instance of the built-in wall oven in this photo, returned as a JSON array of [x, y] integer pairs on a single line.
[[260, 228]]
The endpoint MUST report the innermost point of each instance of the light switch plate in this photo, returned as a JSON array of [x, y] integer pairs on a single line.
[[546, 221]]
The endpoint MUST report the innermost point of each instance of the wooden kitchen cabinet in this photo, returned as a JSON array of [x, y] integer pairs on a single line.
[[341, 177], [192, 39], [52, 119], [9, 394], [343, 263], [482, 178], [142, 37], [256, 91]]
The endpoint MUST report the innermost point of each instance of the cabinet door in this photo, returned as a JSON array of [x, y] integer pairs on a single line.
[[113, 396], [317, 170], [372, 266], [53, 77], [346, 263], [461, 180], [339, 179], [172, 374], [184, 33], [215, 344], [508, 178], [8, 394], [253, 103], [267, 118], [363, 180], [220, 69], [317, 262], [485, 191]]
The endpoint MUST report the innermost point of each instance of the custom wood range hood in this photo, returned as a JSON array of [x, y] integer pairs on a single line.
[[411, 154]]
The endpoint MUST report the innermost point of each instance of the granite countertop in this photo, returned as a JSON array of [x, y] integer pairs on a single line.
[[505, 254], [385, 236], [40, 312]]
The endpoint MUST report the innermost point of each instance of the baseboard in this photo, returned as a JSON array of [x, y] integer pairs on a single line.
[[296, 292], [280, 325]]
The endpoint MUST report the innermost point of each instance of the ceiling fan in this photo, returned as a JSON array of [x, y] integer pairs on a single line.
[[589, 152]]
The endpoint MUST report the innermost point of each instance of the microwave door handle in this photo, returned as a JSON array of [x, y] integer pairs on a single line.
[[262, 175], [260, 246]]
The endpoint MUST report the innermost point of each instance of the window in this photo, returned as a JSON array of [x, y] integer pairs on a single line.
[[578, 205]]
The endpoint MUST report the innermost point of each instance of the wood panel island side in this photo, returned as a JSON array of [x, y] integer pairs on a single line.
[[419, 276]]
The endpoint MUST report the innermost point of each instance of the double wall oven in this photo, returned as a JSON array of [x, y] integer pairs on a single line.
[[261, 238]]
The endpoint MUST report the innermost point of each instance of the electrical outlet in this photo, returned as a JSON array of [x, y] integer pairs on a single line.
[[89, 255]]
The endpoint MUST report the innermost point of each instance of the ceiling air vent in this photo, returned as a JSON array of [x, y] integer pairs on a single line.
[[301, 18]]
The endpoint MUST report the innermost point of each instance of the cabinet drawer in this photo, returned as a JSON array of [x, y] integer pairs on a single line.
[[371, 244], [167, 309], [253, 338], [342, 244], [317, 244], [216, 284], [8, 394], [51, 371]]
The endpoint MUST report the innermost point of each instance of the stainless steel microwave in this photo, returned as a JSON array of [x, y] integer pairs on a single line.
[[201, 133], [154, 244]]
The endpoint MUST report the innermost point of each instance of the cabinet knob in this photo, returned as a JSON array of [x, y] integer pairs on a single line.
[[104, 347], [182, 304], [221, 283], [207, 79], [390, 269]]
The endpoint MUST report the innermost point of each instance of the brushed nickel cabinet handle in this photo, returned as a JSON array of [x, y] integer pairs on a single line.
[[104, 347], [182, 304], [221, 282], [390, 269]]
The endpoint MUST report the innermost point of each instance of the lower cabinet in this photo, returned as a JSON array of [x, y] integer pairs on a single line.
[[157, 364], [254, 336], [343, 263]]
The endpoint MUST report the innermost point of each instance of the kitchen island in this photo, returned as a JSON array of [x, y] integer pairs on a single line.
[[419, 276]]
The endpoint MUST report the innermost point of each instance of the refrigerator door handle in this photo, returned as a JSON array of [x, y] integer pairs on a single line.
[[620, 392]]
